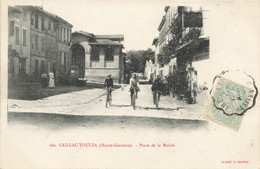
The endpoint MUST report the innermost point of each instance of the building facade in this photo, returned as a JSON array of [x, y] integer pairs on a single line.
[[181, 47], [97, 56], [18, 43], [174, 26], [64, 57], [44, 41]]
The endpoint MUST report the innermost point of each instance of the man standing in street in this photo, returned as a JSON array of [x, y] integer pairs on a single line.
[[109, 86], [157, 86]]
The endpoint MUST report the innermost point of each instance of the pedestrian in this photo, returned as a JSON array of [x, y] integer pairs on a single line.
[[126, 79], [44, 80], [51, 80], [122, 84], [157, 86]]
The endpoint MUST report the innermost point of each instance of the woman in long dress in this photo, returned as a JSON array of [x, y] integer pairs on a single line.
[[51, 80]]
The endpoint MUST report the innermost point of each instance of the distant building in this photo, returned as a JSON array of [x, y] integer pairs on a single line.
[[41, 38], [98, 55], [150, 70]]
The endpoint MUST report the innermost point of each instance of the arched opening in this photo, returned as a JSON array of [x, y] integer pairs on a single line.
[[78, 58]]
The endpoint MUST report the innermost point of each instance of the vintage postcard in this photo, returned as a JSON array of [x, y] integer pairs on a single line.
[[130, 84]]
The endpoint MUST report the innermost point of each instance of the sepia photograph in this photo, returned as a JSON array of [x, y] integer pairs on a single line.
[[129, 84]]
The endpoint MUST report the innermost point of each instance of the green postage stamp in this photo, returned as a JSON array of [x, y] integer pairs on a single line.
[[229, 102]]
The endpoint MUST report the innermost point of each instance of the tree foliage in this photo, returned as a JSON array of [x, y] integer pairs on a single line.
[[136, 60], [175, 26], [169, 50]]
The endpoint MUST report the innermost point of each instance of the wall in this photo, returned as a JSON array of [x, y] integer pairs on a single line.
[[22, 21], [100, 69], [99, 74], [77, 38], [63, 47]]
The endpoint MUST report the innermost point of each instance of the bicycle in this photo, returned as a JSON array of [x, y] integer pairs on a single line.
[[109, 96], [133, 97]]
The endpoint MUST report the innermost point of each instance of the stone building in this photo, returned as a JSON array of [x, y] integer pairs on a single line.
[[182, 46], [179, 17], [63, 59], [96, 56], [47, 47], [18, 42]]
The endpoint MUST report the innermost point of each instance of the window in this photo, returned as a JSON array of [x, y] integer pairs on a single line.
[[32, 43], [36, 42], [49, 67], [17, 40], [54, 67], [65, 60], [109, 54], [24, 16], [11, 28], [61, 33], [42, 66], [22, 66], [32, 20], [36, 21], [61, 59], [64, 34], [24, 37], [94, 54], [42, 24], [36, 67], [68, 35], [49, 25], [42, 41]]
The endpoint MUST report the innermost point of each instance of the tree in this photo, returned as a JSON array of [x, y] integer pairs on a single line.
[[136, 60]]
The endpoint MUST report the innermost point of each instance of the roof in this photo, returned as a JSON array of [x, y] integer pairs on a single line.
[[111, 37], [105, 42], [155, 40], [162, 23], [40, 9], [166, 8], [91, 35], [13, 9], [62, 20]]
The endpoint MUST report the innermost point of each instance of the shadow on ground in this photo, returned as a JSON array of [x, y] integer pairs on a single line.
[[150, 108], [60, 122], [35, 92]]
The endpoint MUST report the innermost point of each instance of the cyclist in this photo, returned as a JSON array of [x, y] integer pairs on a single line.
[[109, 86], [157, 86], [134, 83]]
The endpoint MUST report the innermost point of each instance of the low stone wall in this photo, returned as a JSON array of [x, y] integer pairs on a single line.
[[100, 74], [28, 91]]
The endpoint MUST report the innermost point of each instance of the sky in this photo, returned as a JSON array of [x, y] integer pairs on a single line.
[[137, 21]]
